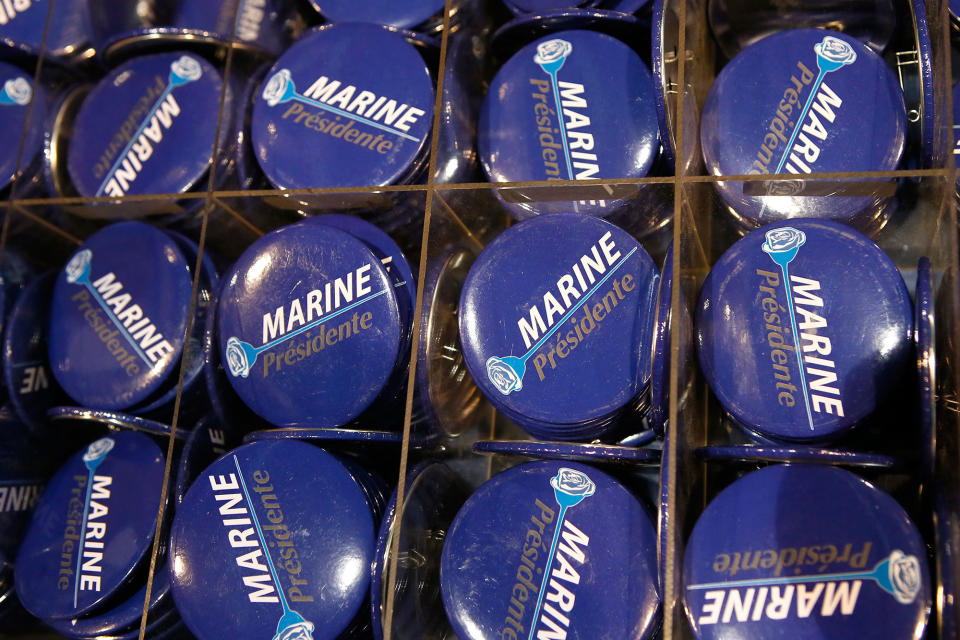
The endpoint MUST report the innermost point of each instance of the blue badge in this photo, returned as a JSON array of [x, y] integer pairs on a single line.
[[956, 129], [148, 127], [797, 102], [68, 35], [737, 24], [551, 547], [92, 527], [19, 96], [118, 317], [805, 551], [609, 126], [403, 15], [391, 256], [556, 321], [259, 24], [30, 384], [257, 551], [309, 327], [332, 115], [813, 287]]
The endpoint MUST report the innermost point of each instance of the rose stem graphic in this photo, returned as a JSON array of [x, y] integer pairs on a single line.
[[551, 68], [290, 93], [825, 66], [289, 617], [565, 500], [879, 574], [83, 278], [519, 365], [175, 81], [251, 352], [783, 259], [91, 471]]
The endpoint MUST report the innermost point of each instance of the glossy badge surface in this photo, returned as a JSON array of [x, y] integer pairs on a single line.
[[805, 551], [26, 368], [309, 327], [556, 321], [119, 315], [148, 127], [20, 99], [551, 548], [797, 102], [273, 540], [331, 114], [813, 287], [403, 15], [94, 524], [609, 126], [24, 27]]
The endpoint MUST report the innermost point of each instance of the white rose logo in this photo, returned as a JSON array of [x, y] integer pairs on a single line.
[[77, 266], [552, 50], [837, 51], [17, 91], [236, 357], [573, 483], [187, 68], [783, 240], [275, 91], [904, 573], [503, 376], [97, 450]]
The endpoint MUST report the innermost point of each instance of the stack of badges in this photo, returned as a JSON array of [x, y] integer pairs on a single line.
[[817, 323], [557, 320], [432, 497], [24, 105], [70, 35], [82, 565], [331, 114], [30, 387], [737, 24], [551, 548], [261, 28], [148, 127], [261, 548], [803, 101], [418, 15], [119, 318], [805, 551], [608, 128], [314, 322]]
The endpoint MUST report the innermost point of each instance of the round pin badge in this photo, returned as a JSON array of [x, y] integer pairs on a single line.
[[433, 495], [118, 316], [752, 454], [816, 321], [256, 550], [332, 115], [31, 387], [309, 326], [148, 127], [805, 551], [560, 339], [804, 101], [551, 548], [67, 36], [736, 24], [594, 453], [402, 15], [23, 104], [609, 126], [92, 527]]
